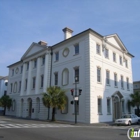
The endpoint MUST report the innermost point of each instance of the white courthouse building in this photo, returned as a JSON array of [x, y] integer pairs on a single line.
[[102, 65]]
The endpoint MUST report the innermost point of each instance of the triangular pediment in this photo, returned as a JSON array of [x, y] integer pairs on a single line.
[[115, 40], [33, 49]]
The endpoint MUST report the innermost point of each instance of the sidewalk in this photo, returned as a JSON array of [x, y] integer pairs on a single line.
[[2, 118]]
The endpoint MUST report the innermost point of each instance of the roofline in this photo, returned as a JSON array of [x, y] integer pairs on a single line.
[[88, 30], [136, 81], [14, 63]]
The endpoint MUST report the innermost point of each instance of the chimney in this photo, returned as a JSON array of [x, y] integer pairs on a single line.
[[67, 32], [43, 43]]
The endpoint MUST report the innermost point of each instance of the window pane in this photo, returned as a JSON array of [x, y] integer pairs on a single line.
[[76, 75], [76, 48], [99, 106]]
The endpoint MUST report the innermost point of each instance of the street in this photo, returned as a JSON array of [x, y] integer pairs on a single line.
[[21, 129]]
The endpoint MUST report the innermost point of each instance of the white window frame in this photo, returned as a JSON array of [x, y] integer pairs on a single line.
[[122, 82], [127, 83], [99, 107], [76, 47], [57, 56], [98, 49], [108, 106], [115, 80], [99, 74], [106, 53], [107, 77], [55, 80], [65, 77]]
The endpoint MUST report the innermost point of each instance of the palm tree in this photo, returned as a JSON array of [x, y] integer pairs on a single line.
[[55, 98], [135, 101], [6, 102]]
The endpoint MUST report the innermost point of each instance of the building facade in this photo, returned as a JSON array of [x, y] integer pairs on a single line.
[[101, 64], [136, 85], [3, 86]]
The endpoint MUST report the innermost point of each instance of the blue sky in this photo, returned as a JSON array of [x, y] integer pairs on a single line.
[[25, 21]]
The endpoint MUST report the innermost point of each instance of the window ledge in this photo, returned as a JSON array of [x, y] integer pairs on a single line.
[[56, 61], [99, 83], [76, 54], [99, 114], [116, 87], [109, 114]]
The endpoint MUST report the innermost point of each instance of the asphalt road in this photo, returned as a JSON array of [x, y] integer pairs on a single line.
[[18, 129]]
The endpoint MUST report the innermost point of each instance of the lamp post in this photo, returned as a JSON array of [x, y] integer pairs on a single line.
[[76, 98]]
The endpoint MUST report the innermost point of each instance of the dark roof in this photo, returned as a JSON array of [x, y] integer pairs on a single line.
[[14, 63], [88, 30]]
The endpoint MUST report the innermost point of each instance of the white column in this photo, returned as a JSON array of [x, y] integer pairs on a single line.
[[37, 84], [46, 69], [29, 78], [23, 79]]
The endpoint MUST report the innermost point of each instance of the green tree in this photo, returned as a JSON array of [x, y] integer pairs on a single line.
[[54, 97], [6, 102], [135, 101]]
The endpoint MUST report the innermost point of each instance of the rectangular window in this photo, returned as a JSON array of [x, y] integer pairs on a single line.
[[76, 47], [76, 76], [98, 74], [120, 60], [21, 69], [108, 106], [35, 63], [115, 80], [114, 57], [19, 86], [42, 81], [5, 92], [27, 64], [126, 63], [98, 49], [12, 72], [56, 78], [99, 105], [122, 82], [127, 83], [106, 53], [43, 60], [107, 77], [34, 79], [26, 84], [57, 56], [11, 87]]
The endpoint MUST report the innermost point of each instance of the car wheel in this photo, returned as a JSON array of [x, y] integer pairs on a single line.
[[129, 123]]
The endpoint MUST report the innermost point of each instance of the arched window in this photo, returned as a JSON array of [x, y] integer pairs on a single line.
[[15, 87], [65, 110], [65, 77]]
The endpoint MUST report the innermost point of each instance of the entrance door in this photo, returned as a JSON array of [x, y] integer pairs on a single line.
[[116, 108]]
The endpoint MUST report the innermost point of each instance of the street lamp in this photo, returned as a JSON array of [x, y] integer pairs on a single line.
[[75, 97]]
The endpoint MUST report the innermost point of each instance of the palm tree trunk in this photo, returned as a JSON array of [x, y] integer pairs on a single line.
[[48, 113], [4, 111], [53, 114], [138, 109]]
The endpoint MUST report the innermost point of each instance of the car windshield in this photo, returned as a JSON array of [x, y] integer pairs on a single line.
[[126, 116]]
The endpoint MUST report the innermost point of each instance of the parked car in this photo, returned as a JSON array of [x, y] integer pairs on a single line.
[[128, 119]]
